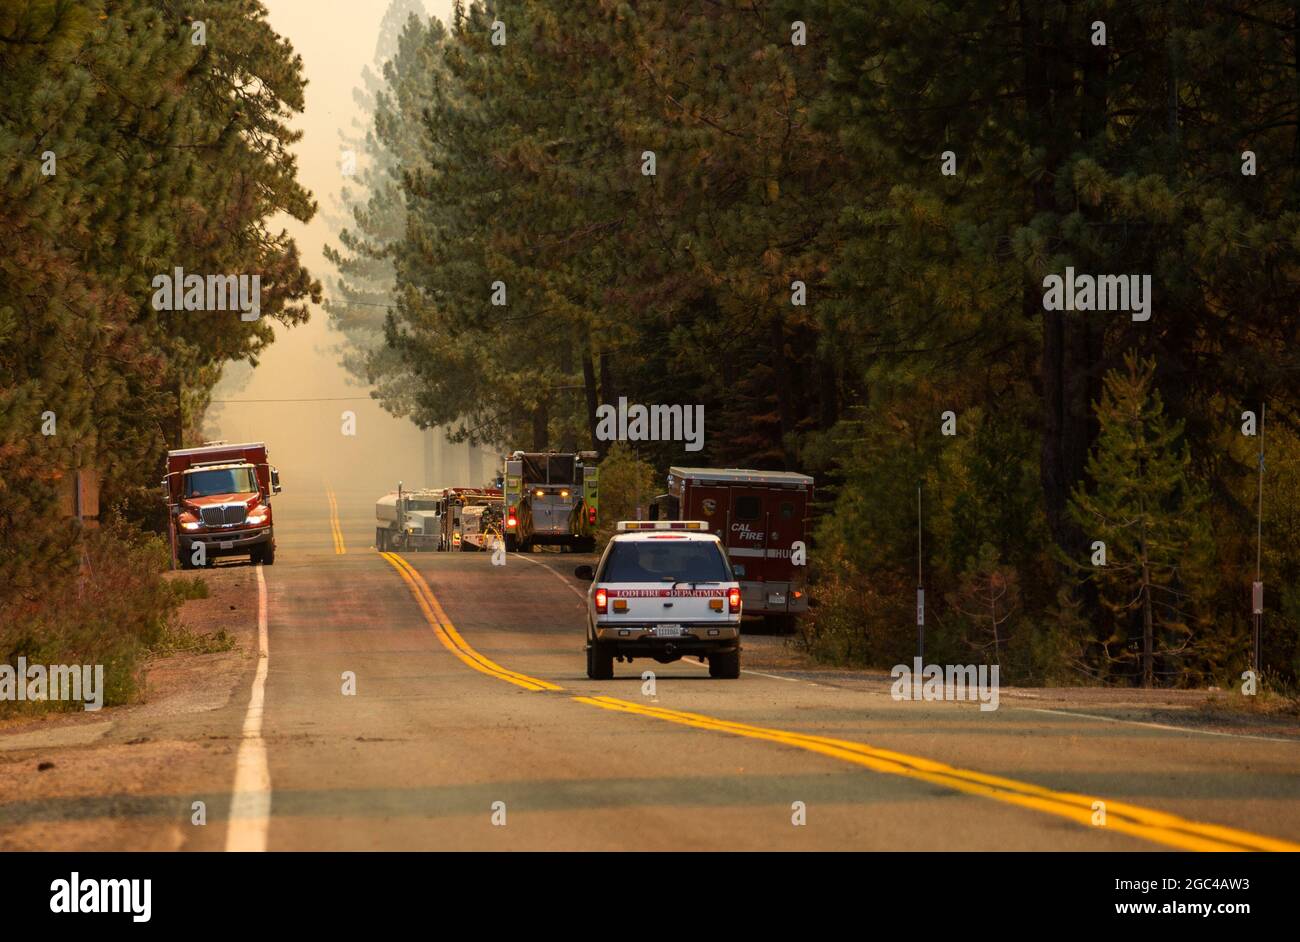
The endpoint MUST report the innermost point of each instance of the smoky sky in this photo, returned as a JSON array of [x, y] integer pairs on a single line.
[[336, 39]]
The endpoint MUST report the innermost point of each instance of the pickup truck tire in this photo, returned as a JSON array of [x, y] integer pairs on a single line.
[[725, 666], [268, 554], [600, 661]]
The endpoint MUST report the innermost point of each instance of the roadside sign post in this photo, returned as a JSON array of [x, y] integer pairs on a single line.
[[920, 583], [1257, 593]]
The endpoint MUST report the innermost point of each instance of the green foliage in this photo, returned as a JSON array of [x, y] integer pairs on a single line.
[[112, 610], [166, 154], [1146, 509], [627, 485]]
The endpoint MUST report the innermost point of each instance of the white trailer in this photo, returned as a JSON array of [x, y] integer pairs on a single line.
[[409, 520]]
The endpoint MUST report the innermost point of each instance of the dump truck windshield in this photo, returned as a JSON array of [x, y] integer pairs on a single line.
[[220, 481]]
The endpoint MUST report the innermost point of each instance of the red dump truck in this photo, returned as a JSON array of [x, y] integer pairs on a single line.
[[762, 518], [220, 496]]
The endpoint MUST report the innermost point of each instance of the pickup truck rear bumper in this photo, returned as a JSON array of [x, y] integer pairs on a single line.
[[640, 641]]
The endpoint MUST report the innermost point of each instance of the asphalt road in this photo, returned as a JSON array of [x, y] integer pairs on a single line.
[[473, 726]]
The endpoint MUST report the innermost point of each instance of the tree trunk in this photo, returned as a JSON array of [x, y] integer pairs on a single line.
[[589, 390], [1070, 343], [1148, 630], [541, 427], [781, 368]]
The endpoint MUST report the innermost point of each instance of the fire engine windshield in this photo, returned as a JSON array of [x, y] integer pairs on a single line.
[[666, 561], [220, 481]]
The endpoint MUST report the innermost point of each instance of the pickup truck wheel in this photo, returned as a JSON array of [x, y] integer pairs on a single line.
[[267, 556], [725, 666], [600, 661]]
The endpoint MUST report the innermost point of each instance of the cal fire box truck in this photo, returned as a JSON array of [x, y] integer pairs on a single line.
[[760, 516], [551, 498], [220, 495]]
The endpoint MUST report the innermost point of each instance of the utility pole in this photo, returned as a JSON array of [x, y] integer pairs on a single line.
[[920, 583], [1257, 590]]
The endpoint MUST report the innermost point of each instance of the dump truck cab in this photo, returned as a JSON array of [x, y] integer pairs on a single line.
[[219, 502]]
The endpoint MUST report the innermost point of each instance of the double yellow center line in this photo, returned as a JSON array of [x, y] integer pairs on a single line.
[[335, 530], [1137, 821], [1146, 823], [450, 637]]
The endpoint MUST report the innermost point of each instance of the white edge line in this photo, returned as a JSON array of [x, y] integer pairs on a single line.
[[250, 801], [1176, 729]]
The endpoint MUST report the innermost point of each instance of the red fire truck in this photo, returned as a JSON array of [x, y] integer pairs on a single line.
[[762, 518], [452, 505], [220, 495]]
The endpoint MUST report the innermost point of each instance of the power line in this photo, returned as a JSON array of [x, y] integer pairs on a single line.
[[324, 399]]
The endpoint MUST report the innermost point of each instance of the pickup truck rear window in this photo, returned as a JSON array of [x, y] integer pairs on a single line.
[[666, 561]]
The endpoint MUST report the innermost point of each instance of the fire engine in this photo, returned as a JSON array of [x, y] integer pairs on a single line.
[[551, 498], [453, 504], [762, 519], [219, 496], [480, 525]]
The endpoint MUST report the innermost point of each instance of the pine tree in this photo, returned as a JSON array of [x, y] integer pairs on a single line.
[[1145, 507]]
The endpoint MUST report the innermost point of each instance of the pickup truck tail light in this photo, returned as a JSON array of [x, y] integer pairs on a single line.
[[602, 602], [733, 600]]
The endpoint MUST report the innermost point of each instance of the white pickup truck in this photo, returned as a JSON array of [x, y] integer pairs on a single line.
[[663, 589]]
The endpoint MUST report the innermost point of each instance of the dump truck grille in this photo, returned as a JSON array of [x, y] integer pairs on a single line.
[[223, 516]]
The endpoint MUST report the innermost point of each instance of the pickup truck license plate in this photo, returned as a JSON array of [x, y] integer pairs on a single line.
[[668, 631]]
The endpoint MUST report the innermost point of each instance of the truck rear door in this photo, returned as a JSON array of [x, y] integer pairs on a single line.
[[785, 512], [747, 531]]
